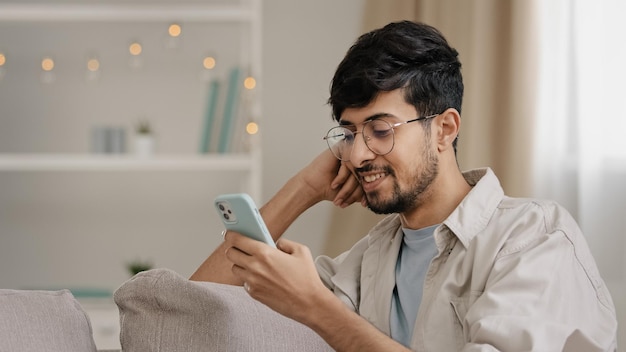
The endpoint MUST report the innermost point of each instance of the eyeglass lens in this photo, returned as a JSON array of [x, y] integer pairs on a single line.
[[377, 134]]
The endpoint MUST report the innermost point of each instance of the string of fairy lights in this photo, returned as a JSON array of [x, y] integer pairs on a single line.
[[135, 50]]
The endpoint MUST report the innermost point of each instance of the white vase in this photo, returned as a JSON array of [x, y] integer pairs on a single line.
[[144, 145]]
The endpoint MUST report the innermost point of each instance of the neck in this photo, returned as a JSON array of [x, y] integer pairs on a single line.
[[444, 195]]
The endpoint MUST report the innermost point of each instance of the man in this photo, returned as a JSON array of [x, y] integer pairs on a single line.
[[458, 265]]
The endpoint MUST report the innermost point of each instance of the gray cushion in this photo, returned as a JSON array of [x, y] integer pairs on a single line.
[[162, 311], [43, 321]]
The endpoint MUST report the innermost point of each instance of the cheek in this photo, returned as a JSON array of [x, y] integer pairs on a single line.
[[407, 155], [408, 163]]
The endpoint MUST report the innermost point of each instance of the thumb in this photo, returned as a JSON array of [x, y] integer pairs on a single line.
[[286, 246]]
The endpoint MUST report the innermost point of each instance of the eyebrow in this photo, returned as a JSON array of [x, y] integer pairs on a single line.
[[370, 118]]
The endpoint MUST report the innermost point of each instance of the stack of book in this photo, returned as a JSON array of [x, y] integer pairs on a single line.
[[223, 122], [108, 140]]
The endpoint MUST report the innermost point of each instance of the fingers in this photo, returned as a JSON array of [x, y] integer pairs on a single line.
[[343, 175], [285, 245], [291, 247], [295, 250], [243, 252], [238, 251], [350, 190], [242, 243], [357, 196], [240, 248], [237, 256]]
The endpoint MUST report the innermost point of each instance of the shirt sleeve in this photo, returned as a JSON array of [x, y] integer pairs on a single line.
[[342, 274]]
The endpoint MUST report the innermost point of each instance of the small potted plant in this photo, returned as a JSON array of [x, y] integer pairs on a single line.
[[136, 266], [144, 139]]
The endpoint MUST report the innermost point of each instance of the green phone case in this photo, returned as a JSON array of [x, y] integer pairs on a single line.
[[239, 214]]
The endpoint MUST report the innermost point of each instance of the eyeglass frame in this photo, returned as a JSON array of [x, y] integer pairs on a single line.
[[392, 125]]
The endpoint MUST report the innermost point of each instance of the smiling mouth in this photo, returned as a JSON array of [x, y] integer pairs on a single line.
[[374, 177]]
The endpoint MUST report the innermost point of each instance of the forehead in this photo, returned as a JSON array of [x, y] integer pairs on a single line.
[[386, 104]]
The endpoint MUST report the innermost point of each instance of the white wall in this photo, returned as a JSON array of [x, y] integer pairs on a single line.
[[304, 41], [78, 229]]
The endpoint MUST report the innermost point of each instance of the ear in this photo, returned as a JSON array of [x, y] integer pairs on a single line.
[[447, 128]]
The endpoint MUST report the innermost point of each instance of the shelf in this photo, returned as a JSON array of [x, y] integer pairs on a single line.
[[17, 12], [80, 162], [246, 14]]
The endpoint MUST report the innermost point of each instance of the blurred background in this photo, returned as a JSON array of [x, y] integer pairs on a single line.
[[81, 198]]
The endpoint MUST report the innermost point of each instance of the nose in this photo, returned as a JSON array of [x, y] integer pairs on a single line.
[[360, 153]]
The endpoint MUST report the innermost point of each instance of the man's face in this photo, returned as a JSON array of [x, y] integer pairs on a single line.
[[399, 181]]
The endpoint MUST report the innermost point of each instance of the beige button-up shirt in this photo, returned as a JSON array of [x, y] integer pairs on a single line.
[[511, 274]]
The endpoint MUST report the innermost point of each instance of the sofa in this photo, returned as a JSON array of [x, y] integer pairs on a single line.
[[159, 311]]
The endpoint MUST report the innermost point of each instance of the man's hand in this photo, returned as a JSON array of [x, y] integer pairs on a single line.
[[285, 280], [325, 178], [330, 179]]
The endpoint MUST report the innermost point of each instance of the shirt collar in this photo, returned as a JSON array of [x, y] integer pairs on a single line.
[[477, 208]]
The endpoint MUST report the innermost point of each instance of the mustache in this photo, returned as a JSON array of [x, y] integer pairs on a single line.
[[370, 168]]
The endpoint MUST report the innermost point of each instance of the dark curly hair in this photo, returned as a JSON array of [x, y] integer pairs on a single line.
[[408, 55]]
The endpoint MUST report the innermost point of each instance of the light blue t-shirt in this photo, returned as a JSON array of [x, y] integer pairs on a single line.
[[417, 251]]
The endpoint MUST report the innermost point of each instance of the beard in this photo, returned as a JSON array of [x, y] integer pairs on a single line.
[[404, 200]]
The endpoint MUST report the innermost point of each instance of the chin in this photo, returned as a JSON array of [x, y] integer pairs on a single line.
[[379, 211], [378, 206]]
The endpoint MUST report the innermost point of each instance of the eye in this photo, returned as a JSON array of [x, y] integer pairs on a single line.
[[380, 129]]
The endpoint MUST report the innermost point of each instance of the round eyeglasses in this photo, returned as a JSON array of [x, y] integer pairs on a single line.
[[377, 134]]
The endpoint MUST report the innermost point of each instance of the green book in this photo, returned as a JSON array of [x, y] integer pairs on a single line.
[[209, 117], [230, 110]]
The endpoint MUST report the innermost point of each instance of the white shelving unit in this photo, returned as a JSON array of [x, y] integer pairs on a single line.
[[246, 12], [55, 239]]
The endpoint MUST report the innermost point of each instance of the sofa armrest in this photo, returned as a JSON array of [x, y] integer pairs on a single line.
[[43, 321], [162, 311]]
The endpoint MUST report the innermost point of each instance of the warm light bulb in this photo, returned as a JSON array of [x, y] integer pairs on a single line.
[[249, 83], [93, 65], [252, 128], [209, 62], [135, 49], [174, 30], [3, 59], [47, 64]]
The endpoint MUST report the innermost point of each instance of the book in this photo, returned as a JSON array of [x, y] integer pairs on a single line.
[[117, 140], [108, 140], [241, 141], [98, 140], [230, 111], [209, 117]]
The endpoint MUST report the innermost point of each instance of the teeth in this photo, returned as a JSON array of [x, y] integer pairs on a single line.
[[372, 178]]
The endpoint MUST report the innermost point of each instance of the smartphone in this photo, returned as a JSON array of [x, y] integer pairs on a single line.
[[239, 213]]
